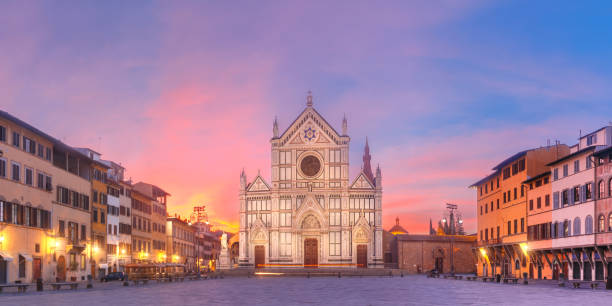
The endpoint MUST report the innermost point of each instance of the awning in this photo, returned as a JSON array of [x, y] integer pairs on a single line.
[[103, 266], [6, 256], [27, 257]]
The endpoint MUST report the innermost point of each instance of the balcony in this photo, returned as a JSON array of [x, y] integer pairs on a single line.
[[493, 241]]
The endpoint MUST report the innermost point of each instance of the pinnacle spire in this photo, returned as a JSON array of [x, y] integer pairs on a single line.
[[275, 128], [309, 99], [344, 125], [367, 168]]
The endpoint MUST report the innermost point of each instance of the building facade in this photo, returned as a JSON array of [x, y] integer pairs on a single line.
[[445, 254], [44, 206], [539, 222], [181, 243], [503, 208], [603, 209], [157, 220], [309, 214], [141, 227]]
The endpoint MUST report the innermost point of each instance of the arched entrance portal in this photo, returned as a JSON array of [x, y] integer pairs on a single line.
[[260, 256], [362, 256], [311, 253], [61, 268]]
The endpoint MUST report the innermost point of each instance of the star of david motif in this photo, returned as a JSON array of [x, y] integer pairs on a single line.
[[309, 134]]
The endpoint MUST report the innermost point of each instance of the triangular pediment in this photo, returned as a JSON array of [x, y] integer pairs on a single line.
[[320, 130], [362, 182], [259, 185]]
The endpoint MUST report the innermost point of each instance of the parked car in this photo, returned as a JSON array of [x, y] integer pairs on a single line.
[[113, 276]]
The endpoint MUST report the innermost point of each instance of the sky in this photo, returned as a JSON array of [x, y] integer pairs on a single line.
[[183, 94]]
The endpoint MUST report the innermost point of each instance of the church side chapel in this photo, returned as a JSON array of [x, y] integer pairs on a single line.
[[310, 214]]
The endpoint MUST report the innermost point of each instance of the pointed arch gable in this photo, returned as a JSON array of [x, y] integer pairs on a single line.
[[310, 115]]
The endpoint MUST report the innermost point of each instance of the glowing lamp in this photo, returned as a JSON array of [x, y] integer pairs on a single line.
[[483, 252], [524, 247], [96, 249], [123, 251], [2, 239]]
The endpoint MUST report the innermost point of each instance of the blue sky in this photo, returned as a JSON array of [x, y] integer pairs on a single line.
[[443, 90]]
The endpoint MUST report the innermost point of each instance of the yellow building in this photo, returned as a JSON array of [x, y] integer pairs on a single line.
[[141, 227], [99, 200], [181, 242], [502, 211], [158, 219], [44, 206], [539, 221]]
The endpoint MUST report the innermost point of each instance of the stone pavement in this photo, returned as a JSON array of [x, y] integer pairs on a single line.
[[408, 290]]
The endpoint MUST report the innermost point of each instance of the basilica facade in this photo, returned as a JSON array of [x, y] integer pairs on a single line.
[[310, 213]]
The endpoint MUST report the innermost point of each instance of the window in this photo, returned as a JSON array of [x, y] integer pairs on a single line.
[[564, 197], [62, 230], [515, 193], [2, 134], [22, 266], [334, 156], [284, 173], [285, 219], [29, 145], [556, 174], [589, 162], [83, 232], [576, 226], [491, 205], [602, 224], [610, 222], [285, 244], [2, 167], [506, 173], [48, 154], [497, 203], [284, 157], [565, 170], [16, 173], [589, 191], [592, 139], [334, 219], [522, 191], [29, 176], [95, 215], [486, 208], [602, 189], [334, 243], [509, 227], [576, 166], [530, 204], [481, 210], [588, 225], [547, 200], [16, 138], [334, 172], [576, 194], [41, 151]]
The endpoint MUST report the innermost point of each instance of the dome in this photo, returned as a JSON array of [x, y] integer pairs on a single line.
[[397, 229]]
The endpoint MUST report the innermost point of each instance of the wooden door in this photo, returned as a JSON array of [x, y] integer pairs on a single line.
[[439, 264], [555, 271], [362, 256], [3, 277], [36, 269], [260, 256], [311, 256], [61, 268]]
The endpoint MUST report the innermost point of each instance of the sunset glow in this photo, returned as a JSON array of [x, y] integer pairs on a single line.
[[183, 94]]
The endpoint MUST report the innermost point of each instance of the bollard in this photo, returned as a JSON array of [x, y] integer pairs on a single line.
[[339, 275], [89, 281], [39, 284]]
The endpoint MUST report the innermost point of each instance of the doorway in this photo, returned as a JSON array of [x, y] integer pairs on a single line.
[[362, 256], [556, 271], [61, 268], [539, 271], [3, 277], [311, 258], [599, 270], [531, 270], [439, 264], [36, 268], [260, 256]]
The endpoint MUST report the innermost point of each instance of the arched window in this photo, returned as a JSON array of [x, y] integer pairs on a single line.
[[610, 222], [610, 188], [602, 189], [588, 225], [517, 265], [566, 228], [602, 224], [576, 226]]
